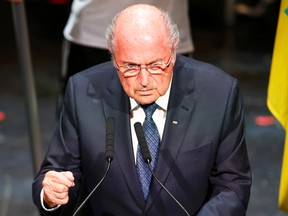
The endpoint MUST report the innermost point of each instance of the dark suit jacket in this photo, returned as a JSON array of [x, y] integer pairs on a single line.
[[203, 158]]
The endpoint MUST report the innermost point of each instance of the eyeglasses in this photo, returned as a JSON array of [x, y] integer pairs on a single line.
[[130, 70]]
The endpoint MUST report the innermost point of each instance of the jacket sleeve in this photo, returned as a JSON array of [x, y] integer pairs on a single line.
[[62, 154]]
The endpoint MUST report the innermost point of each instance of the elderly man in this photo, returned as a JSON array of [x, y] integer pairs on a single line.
[[196, 137]]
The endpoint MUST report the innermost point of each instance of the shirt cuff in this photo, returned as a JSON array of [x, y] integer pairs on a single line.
[[42, 203]]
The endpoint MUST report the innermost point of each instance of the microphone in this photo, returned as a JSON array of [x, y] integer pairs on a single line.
[[109, 155], [110, 127], [147, 158], [142, 142]]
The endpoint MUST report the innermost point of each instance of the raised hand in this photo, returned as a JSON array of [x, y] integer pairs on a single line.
[[56, 186]]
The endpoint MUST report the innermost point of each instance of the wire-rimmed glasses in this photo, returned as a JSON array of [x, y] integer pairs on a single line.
[[130, 70]]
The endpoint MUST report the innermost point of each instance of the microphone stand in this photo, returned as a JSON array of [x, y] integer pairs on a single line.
[[167, 191], [109, 155], [147, 158], [104, 176]]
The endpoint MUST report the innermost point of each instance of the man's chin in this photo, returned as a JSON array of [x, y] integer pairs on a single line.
[[146, 99]]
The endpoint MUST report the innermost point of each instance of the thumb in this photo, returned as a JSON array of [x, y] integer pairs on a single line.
[[70, 177]]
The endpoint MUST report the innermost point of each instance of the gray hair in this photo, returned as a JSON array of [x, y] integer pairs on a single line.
[[170, 25]]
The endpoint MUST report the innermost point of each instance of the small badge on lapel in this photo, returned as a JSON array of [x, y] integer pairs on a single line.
[[174, 122]]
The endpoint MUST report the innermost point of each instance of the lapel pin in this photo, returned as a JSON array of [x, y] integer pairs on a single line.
[[174, 122]]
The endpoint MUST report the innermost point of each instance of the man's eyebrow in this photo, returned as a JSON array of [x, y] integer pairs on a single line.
[[136, 63]]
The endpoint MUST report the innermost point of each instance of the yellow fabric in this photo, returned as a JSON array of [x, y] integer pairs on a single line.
[[277, 100]]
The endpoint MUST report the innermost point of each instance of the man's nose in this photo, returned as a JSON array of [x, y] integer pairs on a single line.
[[144, 76]]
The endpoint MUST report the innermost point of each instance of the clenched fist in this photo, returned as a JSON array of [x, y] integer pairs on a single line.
[[56, 186]]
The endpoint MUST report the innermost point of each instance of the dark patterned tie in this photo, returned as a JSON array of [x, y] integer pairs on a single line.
[[153, 141]]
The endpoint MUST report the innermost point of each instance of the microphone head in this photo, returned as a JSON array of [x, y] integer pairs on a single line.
[[142, 142], [110, 127]]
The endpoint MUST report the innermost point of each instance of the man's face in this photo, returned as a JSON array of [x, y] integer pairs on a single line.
[[145, 87]]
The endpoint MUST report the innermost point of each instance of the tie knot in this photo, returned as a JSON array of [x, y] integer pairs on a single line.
[[149, 109]]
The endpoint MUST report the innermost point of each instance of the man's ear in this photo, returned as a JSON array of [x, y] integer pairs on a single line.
[[176, 44], [174, 50]]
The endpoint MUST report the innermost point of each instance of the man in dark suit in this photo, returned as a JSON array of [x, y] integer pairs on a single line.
[[202, 158]]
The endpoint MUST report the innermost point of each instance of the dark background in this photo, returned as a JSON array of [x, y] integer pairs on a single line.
[[243, 50]]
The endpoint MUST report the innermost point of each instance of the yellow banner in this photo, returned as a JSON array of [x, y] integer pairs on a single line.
[[277, 100]]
